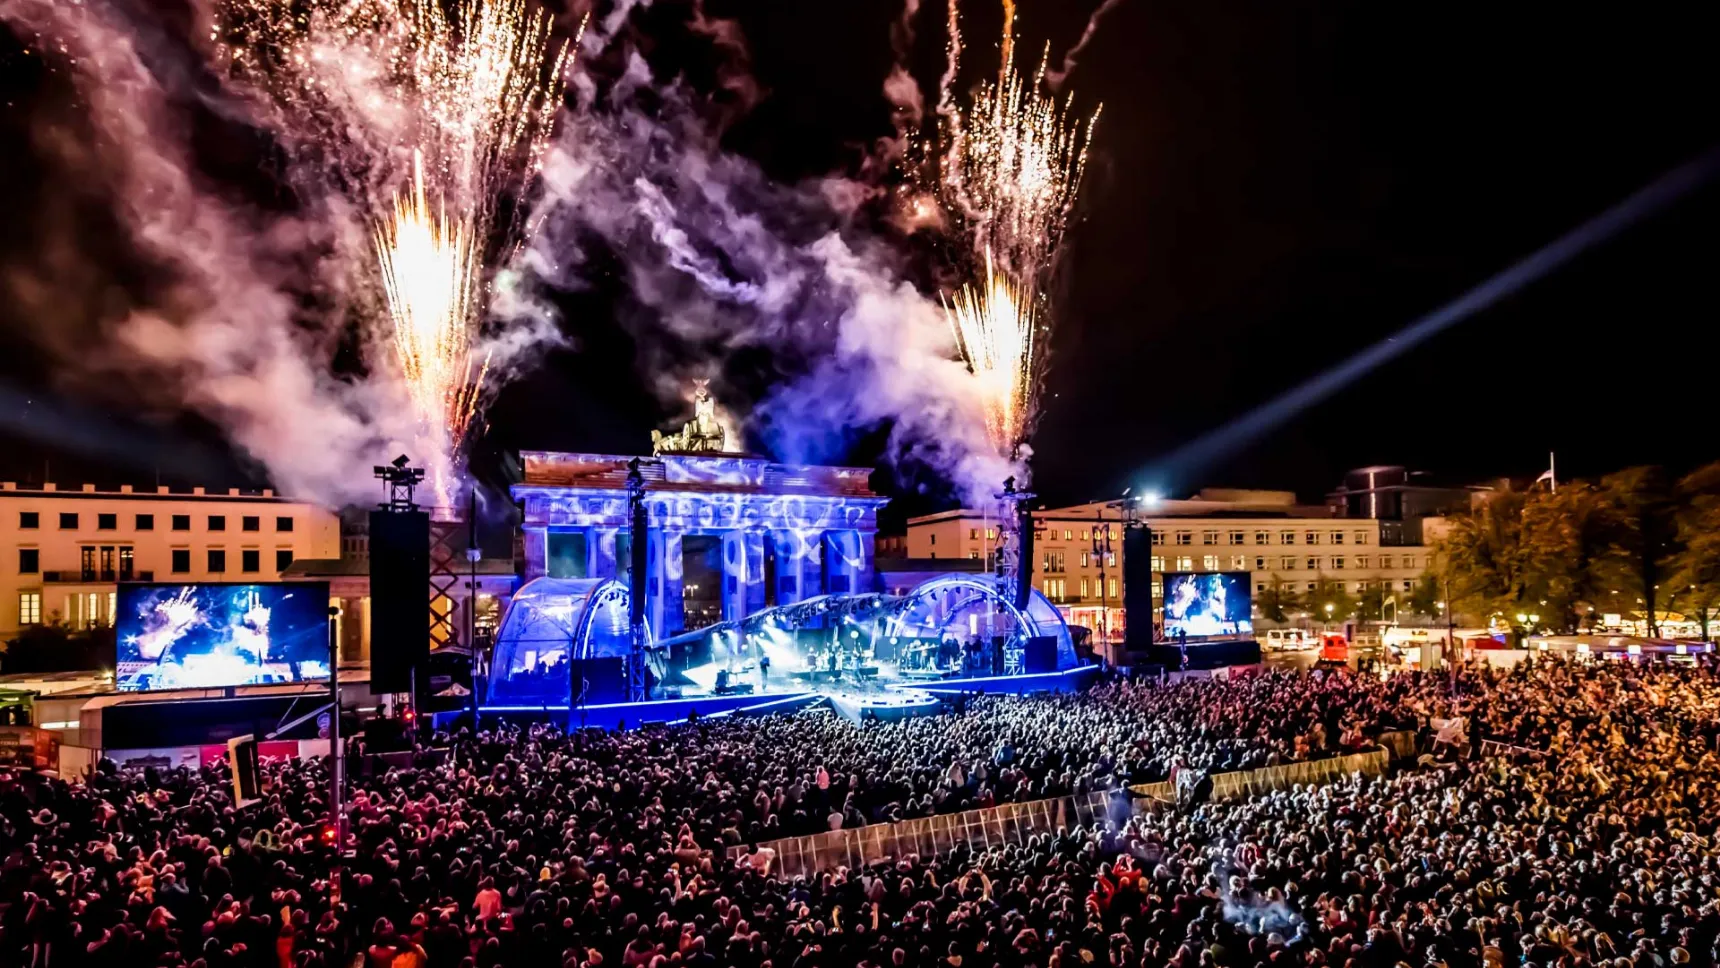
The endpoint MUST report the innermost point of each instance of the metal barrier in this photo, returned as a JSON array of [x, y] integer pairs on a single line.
[[1401, 743], [1009, 823], [1244, 783], [1492, 747]]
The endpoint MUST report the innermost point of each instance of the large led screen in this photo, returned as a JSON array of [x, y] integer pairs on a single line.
[[1209, 603], [214, 635]]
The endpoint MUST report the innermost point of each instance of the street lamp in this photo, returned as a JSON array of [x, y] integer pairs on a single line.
[[1328, 613]]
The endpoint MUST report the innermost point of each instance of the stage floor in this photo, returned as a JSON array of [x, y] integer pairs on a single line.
[[886, 701]]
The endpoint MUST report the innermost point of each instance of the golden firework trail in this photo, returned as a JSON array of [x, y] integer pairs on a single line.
[[466, 90], [994, 327], [1009, 173], [430, 273]]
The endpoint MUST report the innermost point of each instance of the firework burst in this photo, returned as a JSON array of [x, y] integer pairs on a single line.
[[1009, 172], [430, 273], [424, 114], [994, 327]]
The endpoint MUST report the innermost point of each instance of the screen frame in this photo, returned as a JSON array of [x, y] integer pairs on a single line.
[[1163, 629], [328, 620]]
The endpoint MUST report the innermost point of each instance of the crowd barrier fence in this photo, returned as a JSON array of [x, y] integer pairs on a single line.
[[1009, 823], [1269, 778]]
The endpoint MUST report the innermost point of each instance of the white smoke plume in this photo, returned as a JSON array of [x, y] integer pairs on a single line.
[[718, 258], [224, 333], [1054, 78]]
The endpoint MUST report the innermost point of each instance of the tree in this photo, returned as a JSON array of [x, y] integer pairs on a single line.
[[1695, 573], [1331, 593], [1371, 602], [1538, 551], [58, 647], [1424, 597], [1278, 601], [1643, 504]]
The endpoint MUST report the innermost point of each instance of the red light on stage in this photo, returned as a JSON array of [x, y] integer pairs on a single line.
[[326, 835]]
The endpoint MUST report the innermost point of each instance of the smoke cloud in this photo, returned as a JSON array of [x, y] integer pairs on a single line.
[[719, 259], [223, 330], [1055, 78]]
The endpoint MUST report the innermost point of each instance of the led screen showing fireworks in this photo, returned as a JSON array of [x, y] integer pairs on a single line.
[[214, 635], [1210, 603]]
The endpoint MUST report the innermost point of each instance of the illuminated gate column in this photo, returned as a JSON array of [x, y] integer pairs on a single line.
[[743, 574], [536, 553], [847, 562], [795, 554], [600, 559], [663, 606]]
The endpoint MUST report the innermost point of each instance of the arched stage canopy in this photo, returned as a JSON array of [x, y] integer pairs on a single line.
[[550, 622]]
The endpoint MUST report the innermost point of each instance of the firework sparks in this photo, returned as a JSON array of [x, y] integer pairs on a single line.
[[1010, 170], [467, 92], [994, 327], [430, 272]]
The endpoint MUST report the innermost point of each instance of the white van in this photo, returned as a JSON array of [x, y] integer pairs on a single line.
[[1285, 640]]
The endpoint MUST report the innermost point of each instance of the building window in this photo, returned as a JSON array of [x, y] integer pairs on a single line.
[[1313, 587], [1262, 537], [127, 562], [145, 522], [1157, 564], [29, 608], [1409, 586], [973, 535], [1287, 537], [1238, 563], [217, 560], [182, 522], [1337, 537], [1361, 537], [1408, 561], [973, 556], [29, 520], [1185, 564], [1112, 585], [68, 521], [1311, 537], [1083, 588], [1260, 563], [1337, 562], [1236, 537], [29, 561], [1313, 564], [1288, 563], [1385, 561], [1054, 562], [250, 522], [107, 522], [181, 561], [934, 539], [1158, 590], [1209, 563], [284, 524], [1068, 535], [1209, 537], [1362, 561], [1158, 537], [991, 534], [250, 560], [1185, 537], [217, 522], [1110, 559], [1260, 588], [1086, 559]]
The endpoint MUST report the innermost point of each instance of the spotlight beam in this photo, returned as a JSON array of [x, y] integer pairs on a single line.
[[1224, 441]]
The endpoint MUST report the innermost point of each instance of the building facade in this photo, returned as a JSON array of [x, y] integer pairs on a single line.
[[66, 551], [728, 535], [1078, 551]]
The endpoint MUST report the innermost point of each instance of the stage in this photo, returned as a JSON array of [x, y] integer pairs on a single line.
[[885, 701]]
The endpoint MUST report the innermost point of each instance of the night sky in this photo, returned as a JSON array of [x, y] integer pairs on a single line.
[[1273, 186]]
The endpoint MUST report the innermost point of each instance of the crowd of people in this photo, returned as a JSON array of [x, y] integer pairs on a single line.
[[1580, 842]]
